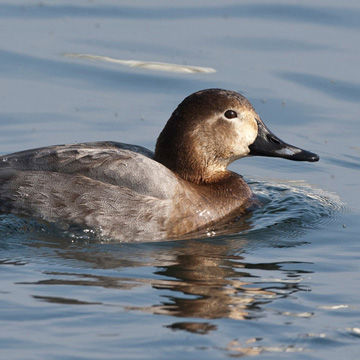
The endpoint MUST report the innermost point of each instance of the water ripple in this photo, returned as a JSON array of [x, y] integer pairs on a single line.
[[294, 205]]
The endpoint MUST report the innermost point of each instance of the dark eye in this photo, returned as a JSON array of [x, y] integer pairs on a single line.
[[230, 114]]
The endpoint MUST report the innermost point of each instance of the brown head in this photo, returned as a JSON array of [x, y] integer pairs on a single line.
[[212, 128]]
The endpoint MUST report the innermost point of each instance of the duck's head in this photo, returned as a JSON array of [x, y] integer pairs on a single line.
[[212, 128]]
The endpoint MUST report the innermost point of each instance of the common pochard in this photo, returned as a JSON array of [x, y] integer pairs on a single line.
[[128, 193]]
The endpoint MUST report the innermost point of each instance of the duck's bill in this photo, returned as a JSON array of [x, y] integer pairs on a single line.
[[267, 144]]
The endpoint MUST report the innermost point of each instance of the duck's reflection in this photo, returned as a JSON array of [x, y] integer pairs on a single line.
[[206, 279], [209, 283]]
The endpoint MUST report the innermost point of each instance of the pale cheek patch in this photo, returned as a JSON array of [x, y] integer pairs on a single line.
[[246, 130]]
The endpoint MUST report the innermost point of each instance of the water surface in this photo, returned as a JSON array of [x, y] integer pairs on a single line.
[[287, 284]]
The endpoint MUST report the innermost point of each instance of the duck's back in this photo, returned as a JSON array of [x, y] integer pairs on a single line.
[[116, 187]]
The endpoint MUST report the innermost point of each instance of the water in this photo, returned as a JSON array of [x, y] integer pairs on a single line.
[[287, 285]]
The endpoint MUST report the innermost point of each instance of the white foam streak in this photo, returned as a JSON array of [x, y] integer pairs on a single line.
[[157, 66]]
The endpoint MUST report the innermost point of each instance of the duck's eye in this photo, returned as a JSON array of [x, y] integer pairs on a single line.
[[230, 114]]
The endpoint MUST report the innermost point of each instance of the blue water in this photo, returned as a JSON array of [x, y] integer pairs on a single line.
[[287, 284]]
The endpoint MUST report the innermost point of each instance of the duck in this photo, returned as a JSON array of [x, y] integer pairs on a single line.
[[128, 193]]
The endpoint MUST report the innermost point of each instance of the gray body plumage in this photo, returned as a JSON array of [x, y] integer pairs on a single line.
[[112, 187]]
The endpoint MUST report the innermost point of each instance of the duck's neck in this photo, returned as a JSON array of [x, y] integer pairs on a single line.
[[193, 171], [179, 150], [215, 175], [226, 185]]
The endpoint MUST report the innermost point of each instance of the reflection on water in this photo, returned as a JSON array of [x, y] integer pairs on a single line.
[[202, 280], [217, 285]]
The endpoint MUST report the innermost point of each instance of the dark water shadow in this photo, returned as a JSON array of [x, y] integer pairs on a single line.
[[338, 89], [330, 16], [271, 45], [345, 161]]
